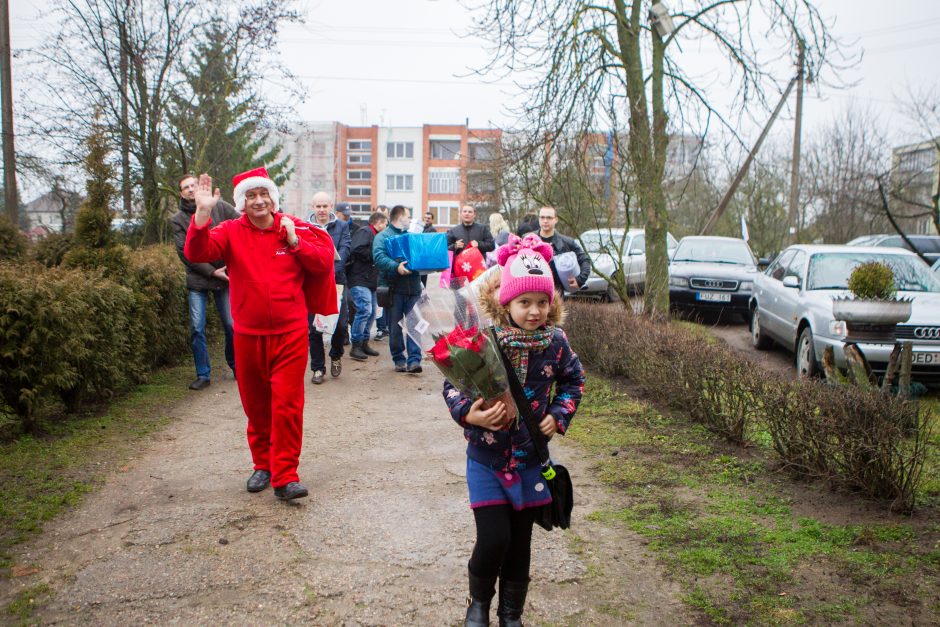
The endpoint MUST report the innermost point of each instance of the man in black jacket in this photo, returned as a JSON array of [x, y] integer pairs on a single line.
[[363, 278], [201, 280], [548, 218], [324, 217], [469, 233]]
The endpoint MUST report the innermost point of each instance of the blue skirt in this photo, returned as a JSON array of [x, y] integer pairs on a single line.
[[520, 489]]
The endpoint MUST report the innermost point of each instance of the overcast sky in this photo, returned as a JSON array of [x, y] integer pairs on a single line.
[[403, 62]]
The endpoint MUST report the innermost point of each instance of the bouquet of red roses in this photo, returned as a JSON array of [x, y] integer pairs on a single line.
[[448, 328]]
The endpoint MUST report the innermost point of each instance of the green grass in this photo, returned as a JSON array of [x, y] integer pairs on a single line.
[[724, 525], [40, 476]]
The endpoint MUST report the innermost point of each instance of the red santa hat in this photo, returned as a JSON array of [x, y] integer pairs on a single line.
[[253, 179]]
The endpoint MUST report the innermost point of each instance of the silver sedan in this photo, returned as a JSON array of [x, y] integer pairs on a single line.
[[792, 306]]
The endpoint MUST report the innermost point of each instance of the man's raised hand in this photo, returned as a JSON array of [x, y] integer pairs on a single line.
[[205, 199]]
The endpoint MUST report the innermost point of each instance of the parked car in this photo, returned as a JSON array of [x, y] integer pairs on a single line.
[[936, 268], [602, 245], [792, 306], [927, 245], [712, 274]]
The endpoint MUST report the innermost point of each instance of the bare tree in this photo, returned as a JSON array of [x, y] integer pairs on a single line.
[[110, 54], [604, 64], [843, 161]]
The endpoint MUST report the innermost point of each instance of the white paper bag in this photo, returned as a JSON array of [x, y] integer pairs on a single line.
[[327, 324]]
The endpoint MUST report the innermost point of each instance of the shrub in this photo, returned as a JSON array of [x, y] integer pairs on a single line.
[[873, 280], [850, 437], [12, 241], [51, 249], [77, 335]]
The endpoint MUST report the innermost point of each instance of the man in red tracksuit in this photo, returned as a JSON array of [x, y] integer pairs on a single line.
[[279, 268]]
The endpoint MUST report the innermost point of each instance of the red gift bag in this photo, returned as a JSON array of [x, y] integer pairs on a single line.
[[469, 263]]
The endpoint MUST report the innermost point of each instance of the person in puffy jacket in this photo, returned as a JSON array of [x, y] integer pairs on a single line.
[[280, 269], [503, 470]]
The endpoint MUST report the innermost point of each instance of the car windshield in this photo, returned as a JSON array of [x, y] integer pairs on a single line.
[[611, 241], [831, 271], [714, 251]]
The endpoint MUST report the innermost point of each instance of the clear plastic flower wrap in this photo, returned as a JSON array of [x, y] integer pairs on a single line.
[[450, 329]]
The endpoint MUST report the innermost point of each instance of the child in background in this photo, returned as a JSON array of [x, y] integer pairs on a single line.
[[503, 471]]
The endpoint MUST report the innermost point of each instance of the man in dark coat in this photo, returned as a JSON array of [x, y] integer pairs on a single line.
[[324, 217], [548, 218], [530, 224], [469, 233], [363, 278], [203, 279]]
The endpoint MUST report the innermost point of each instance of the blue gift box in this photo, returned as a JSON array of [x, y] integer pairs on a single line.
[[424, 252]]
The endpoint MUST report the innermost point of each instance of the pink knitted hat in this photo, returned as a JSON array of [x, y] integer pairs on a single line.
[[525, 268]]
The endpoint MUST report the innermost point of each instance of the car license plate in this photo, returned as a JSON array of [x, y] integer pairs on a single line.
[[927, 359], [713, 297]]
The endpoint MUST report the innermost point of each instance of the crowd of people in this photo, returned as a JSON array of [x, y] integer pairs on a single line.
[[281, 284]]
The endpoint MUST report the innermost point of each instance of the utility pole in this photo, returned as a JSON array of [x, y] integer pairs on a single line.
[[717, 213], [6, 104], [125, 129], [795, 165]]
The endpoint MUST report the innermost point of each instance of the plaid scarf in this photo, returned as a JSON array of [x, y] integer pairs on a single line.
[[518, 343]]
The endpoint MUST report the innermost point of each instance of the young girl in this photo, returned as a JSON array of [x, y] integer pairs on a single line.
[[503, 470]]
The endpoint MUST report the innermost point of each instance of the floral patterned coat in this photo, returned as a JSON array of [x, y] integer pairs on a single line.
[[555, 367]]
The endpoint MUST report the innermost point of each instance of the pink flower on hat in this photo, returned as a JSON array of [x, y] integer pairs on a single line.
[[525, 268]]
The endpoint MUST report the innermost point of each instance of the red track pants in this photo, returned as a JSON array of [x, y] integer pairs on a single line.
[[271, 370]]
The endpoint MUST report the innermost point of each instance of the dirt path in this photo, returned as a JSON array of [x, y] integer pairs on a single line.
[[175, 539]]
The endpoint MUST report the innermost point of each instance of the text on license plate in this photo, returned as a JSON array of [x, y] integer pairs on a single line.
[[714, 297], [927, 359]]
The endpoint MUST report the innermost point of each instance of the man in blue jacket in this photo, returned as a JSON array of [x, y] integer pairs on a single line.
[[405, 289], [324, 217]]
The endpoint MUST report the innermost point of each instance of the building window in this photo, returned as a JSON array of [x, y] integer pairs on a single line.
[[917, 161], [361, 145], [359, 175], [317, 149], [443, 181], [358, 191], [445, 216], [401, 182], [445, 149], [361, 210], [400, 150], [359, 158], [481, 151]]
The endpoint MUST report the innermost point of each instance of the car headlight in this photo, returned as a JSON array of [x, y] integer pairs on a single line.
[[678, 281], [838, 328], [746, 286]]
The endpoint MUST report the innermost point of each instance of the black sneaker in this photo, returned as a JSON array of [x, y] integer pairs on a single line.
[[292, 490], [368, 350], [259, 480], [336, 367], [200, 384], [400, 368], [381, 334], [415, 369], [317, 377]]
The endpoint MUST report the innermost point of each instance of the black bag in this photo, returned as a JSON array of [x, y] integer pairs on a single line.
[[383, 296], [558, 512]]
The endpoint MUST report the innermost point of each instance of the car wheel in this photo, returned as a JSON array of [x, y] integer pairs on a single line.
[[806, 366], [759, 339]]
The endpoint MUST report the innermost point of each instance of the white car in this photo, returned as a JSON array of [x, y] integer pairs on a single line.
[[792, 306], [603, 245]]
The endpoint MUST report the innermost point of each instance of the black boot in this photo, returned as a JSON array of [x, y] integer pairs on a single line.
[[511, 602], [357, 353], [368, 350], [482, 590]]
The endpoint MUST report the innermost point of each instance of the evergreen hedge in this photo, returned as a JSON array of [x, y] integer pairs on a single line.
[[860, 440], [74, 335]]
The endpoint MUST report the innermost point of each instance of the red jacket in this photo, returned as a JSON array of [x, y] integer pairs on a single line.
[[271, 286]]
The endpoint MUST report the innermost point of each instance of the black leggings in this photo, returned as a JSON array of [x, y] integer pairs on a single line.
[[504, 542]]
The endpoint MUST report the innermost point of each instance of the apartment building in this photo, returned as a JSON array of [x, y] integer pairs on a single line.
[[915, 181], [436, 167]]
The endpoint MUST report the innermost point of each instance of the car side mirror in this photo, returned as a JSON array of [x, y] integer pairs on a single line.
[[791, 281], [763, 262]]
